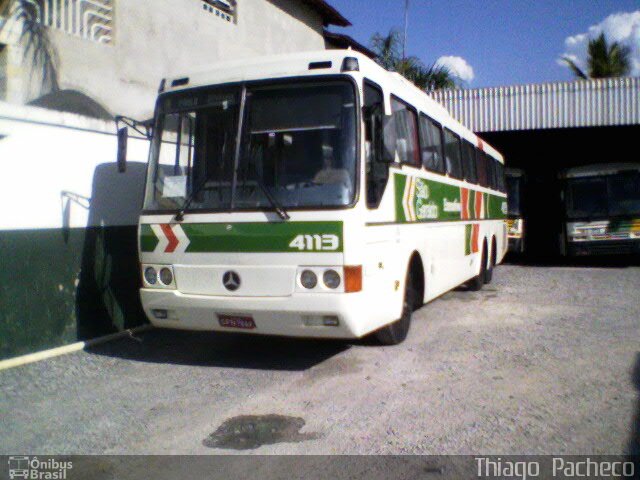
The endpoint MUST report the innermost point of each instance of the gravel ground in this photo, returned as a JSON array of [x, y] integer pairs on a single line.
[[543, 360]]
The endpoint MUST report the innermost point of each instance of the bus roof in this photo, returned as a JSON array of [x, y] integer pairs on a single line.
[[598, 169], [326, 62]]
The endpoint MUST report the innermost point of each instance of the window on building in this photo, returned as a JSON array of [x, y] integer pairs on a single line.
[[91, 20], [469, 162], [406, 122], [431, 145], [452, 153]]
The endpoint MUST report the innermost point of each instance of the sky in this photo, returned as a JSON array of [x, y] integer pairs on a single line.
[[498, 42]]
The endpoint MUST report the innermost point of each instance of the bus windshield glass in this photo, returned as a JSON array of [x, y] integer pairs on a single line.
[[513, 195], [297, 145], [624, 191], [604, 196]]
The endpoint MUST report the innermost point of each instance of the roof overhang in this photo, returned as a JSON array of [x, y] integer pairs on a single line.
[[582, 103], [341, 41], [330, 16]]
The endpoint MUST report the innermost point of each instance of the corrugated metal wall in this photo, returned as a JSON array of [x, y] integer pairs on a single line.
[[581, 103]]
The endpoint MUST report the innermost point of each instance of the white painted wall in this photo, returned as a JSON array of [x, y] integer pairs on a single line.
[[45, 153]]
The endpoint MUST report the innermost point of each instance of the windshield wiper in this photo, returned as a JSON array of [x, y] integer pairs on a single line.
[[277, 206], [180, 213]]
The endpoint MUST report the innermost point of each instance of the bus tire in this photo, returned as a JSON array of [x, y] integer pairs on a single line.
[[476, 283], [396, 332], [488, 274]]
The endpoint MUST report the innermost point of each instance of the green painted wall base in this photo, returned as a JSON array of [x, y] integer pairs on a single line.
[[58, 286]]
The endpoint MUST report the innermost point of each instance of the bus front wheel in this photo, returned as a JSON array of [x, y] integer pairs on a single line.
[[396, 332]]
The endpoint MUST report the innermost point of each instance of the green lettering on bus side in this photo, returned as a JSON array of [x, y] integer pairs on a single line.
[[422, 200]]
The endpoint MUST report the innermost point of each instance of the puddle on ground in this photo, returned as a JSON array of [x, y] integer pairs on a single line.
[[247, 432]]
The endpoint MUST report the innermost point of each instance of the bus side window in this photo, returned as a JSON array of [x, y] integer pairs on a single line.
[[377, 172], [431, 145], [452, 152], [469, 162], [483, 174], [501, 181], [493, 163], [406, 121]]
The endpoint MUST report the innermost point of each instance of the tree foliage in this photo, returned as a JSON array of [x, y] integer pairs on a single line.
[[604, 60], [36, 46], [388, 50]]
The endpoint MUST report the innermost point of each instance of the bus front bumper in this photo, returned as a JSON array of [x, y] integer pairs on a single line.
[[604, 247], [516, 244], [298, 315]]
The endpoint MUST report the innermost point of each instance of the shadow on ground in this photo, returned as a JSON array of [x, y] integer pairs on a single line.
[[605, 261], [221, 350], [633, 448]]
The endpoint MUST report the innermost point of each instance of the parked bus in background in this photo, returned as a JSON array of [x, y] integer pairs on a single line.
[[602, 208], [515, 179], [312, 195]]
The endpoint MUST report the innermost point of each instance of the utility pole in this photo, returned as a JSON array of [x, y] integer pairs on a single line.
[[406, 21]]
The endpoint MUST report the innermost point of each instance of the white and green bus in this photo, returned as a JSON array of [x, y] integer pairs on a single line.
[[602, 209], [312, 195]]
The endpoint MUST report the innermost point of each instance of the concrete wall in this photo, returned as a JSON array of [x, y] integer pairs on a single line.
[[154, 39]]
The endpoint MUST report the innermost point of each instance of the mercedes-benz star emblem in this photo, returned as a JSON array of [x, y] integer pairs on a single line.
[[231, 280]]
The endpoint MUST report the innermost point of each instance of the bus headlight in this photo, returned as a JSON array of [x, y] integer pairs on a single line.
[[331, 279], [166, 277], [150, 275], [308, 279], [158, 276], [515, 227]]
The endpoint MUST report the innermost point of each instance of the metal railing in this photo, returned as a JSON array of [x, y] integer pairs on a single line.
[[89, 19]]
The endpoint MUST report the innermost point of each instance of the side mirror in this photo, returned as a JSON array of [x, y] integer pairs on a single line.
[[389, 139], [123, 135]]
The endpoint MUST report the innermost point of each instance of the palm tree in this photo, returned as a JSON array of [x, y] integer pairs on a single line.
[[36, 46], [388, 50], [603, 60]]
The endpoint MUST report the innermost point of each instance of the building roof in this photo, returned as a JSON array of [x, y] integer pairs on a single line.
[[341, 41], [330, 16], [580, 103]]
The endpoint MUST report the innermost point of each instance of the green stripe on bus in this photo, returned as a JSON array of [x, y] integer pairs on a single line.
[[148, 239], [263, 237], [400, 182]]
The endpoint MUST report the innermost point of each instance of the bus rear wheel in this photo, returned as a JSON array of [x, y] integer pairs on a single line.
[[488, 274], [396, 332], [476, 283]]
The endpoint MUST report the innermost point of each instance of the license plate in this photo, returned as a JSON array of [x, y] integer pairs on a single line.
[[236, 321]]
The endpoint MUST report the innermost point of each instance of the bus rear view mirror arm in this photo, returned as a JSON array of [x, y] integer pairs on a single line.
[[123, 136], [143, 128]]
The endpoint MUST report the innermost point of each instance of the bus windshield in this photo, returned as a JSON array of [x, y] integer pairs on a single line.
[[513, 195], [604, 196], [624, 191], [297, 143]]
